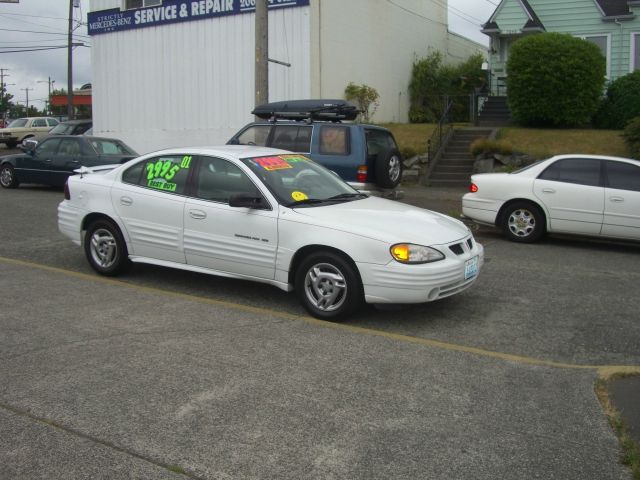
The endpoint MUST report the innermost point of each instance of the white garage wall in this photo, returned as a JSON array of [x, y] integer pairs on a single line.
[[191, 83]]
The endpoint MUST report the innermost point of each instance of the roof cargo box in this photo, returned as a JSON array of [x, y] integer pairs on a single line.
[[320, 109]]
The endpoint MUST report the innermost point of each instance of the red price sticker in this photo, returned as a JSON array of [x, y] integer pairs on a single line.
[[272, 163]]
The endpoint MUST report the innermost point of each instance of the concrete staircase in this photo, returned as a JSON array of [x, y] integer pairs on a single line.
[[455, 166], [495, 113]]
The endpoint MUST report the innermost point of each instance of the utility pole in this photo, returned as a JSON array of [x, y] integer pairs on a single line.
[[70, 63], [262, 52], [27, 90], [3, 114], [50, 82]]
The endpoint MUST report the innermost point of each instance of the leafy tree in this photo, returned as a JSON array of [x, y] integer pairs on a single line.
[[554, 79], [365, 97], [433, 82], [621, 104], [632, 137]]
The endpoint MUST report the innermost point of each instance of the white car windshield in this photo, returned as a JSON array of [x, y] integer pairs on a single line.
[[18, 122], [295, 180]]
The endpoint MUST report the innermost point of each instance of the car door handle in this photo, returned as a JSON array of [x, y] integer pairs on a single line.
[[47, 160], [548, 190], [617, 199], [126, 201], [197, 214]]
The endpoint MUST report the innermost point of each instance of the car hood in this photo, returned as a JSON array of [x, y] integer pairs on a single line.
[[386, 220]]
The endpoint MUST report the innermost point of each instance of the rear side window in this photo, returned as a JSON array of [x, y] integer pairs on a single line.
[[296, 138], [334, 140], [255, 135], [166, 173], [581, 171], [52, 122], [623, 176], [379, 141]]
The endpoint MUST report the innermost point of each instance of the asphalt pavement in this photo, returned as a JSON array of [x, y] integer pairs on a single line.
[[168, 374]]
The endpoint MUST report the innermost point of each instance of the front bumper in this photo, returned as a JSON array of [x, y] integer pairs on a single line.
[[399, 283]]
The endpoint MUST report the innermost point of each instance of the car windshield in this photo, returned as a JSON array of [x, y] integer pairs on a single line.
[[103, 146], [18, 122], [61, 129], [297, 181]]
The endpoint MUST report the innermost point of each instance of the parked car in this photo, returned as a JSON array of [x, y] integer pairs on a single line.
[[270, 216], [55, 158], [71, 127], [576, 194], [29, 127], [366, 156]]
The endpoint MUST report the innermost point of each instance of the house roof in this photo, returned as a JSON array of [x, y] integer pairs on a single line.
[[614, 8], [534, 21]]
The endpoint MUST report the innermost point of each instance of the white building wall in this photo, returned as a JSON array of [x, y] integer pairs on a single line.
[[374, 42], [191, 83]]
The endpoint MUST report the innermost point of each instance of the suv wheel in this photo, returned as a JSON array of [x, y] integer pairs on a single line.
[[388, 169]]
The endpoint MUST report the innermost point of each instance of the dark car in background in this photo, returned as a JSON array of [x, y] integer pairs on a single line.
[[54, 159], [71, 127], [366, 156]]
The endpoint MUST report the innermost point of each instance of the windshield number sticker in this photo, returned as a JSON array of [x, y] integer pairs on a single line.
[[272, 163], [299, 196], [294, 158]]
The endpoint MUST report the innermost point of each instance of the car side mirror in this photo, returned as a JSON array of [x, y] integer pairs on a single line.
[[246, 200], [233, 141], [28, 145]]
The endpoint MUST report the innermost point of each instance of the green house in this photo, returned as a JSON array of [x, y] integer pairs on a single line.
[[613, 25]]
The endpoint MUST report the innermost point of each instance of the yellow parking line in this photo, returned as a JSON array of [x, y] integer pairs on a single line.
[[603, 370]]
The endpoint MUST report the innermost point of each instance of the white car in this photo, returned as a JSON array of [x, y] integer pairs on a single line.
[[23, 128], [270, 216], [576, 194]]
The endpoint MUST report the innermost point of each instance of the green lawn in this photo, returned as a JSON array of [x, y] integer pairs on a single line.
[[537, 142]]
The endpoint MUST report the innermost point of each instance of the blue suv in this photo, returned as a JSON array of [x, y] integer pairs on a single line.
[[366, 156]]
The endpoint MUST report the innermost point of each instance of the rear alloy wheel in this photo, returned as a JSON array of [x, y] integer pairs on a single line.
[[523, 222], [388, 169], [328, 286], [105, 248], [8, 177]]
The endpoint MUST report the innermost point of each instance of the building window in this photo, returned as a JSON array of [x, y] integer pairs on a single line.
[[132, 4], [603, 43], [635, 51]]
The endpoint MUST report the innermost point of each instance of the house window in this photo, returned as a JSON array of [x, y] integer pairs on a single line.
[[635, 51], [603, 43], [132, 4]]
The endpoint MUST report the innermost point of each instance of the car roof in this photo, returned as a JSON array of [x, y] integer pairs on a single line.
[[234, 151], [594, 157]]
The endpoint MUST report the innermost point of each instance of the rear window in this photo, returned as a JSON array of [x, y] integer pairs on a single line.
[[110, 147], [334, 140]]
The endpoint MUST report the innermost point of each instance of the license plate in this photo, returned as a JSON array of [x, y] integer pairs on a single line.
[[471, 268]]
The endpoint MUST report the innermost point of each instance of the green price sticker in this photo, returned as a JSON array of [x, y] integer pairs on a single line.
[[162, 169]]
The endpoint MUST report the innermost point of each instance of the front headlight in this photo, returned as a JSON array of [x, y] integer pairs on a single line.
[[411, 254]]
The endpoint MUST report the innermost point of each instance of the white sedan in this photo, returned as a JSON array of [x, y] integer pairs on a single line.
[[270, 216], [576, 194]]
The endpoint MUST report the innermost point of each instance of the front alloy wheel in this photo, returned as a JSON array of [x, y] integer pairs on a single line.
[[327, 286], [8, 177]]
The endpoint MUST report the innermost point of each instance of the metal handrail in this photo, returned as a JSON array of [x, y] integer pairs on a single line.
[[434, 144]]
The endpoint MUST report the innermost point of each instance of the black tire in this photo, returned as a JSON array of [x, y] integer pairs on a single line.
[[388, 169], [523, 222], [8, 176], [105, 248], [328, 286]]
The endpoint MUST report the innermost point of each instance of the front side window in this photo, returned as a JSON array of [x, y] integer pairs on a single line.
[[48, 146], [39, 122], [255, 135], [334, 140], [623, 176], [582, 171], [218, 179], [132, 4], [166, 173]]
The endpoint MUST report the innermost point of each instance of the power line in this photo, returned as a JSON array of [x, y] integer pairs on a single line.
[[43, 33], [39, 49]]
